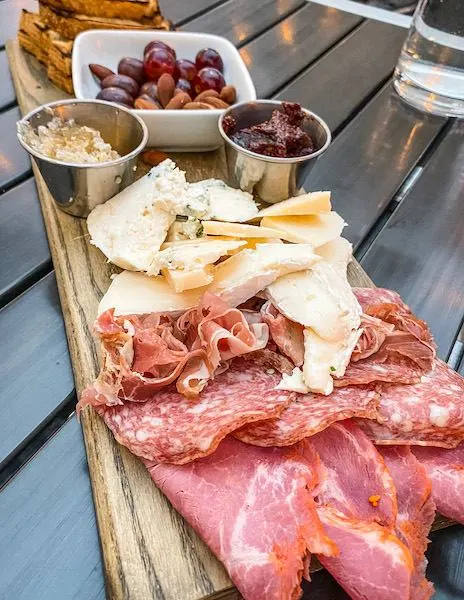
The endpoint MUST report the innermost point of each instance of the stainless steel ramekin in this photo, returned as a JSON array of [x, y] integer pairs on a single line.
[[271, 179], [77, 188]]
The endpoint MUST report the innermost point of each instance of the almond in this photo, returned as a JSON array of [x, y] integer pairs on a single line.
[[153, 157], [178, 101], [228, 94], [100, 71], [166, 87], [145, 102], [206, 94], [215, 102], [197, 106]]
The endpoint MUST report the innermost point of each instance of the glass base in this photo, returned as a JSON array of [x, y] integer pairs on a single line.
[[425, 100]]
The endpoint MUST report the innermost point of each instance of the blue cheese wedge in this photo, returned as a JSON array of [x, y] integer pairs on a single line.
[[130, 227], [245, 274], [212, 199]]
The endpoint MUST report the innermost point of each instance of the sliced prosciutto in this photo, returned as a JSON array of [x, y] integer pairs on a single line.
[[286, 334], [445, 467], [254, 508], [169, 427], [416, 511], [395, 346], [310, 413], [429, 413], [145, 353], [356, 501]]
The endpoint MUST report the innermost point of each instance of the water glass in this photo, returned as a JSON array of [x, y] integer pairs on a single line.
[[430, 70]]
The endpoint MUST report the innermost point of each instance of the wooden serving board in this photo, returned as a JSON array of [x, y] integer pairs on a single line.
[[149, 551]]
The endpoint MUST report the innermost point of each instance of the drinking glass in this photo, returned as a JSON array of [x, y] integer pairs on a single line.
[[430, 69]]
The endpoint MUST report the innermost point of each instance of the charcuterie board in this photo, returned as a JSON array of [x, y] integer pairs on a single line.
[[148, 549]]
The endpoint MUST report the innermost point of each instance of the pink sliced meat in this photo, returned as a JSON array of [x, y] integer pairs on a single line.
[[428, 413], [286, 334], [357, 503], [309, 413], [416, 511], [171, 428], [369, 372], [371, 296], [446, 471], [254, 508], [375, 331]]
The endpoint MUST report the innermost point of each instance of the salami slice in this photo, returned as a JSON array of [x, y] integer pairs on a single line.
[[171, 428], [368, 371], [428, 413], [309, 413]]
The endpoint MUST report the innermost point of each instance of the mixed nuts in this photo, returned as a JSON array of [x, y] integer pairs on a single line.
[[162, 81]]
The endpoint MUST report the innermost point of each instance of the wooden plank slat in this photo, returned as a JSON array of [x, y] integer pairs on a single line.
[[338, 82], [280, 53], [179, 11], [366, 164], [23, 243], [14, 161], [241, 20], [7, 95], [420, 251], [35, 369], [49, 548], [9, 17]]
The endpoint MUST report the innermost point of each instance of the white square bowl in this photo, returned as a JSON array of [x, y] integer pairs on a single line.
[[174, 130]]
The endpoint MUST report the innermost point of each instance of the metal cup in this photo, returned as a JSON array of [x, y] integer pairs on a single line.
[[77, 187], [269, 178]]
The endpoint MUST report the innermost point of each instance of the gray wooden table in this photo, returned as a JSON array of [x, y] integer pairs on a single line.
[[396, 177]]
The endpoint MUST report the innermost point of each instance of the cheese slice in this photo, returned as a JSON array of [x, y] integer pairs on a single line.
[[306, 204], [324, 359], [245, 274], [313, 229], [193, 256], [338, 253], [213, 199], [320, 298], [238, 230], [130, 227], [248, 242], [188, 279], [137, 293]]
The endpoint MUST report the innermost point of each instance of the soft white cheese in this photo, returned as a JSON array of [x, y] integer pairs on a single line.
[[250, 271], [130, 227], [213, 199], [293, 382], [338, 253]]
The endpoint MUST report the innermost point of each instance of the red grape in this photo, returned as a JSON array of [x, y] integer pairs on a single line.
[[156, 62], [158, 44], [185, 69], [209, 58], [208, 79], [185, 86]]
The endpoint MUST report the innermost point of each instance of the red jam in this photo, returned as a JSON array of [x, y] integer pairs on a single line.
[[281, 136]]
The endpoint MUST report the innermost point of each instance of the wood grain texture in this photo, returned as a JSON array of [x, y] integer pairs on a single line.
[[344, 77], [277, 55], [148, 550], [420, 251], [241, 20], [23, 243], [35, 369], [367, 162]]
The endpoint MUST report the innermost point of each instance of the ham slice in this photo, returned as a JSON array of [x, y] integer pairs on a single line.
[[172, 428], [416, 511], [357, 503], [446, 471], [254, 508], [310, 413], [428, 413], [143, 354], [286, 334]]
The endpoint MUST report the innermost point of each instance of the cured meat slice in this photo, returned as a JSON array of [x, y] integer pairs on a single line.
[[446, 471], [309, 413], [373, 336], [171, 428], [416, 511], [286, 334], [254, 508], [365, 373], [144, 353], [356, 502], [370, 296], [428, 413]]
